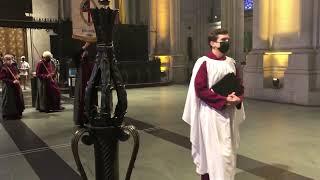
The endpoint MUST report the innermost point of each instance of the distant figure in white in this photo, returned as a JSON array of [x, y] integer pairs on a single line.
[[57, 69], [24, 71], [214, 110]]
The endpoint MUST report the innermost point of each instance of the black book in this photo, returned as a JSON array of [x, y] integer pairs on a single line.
[[228, 84]]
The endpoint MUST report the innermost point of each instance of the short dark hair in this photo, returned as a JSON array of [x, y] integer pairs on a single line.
[[213, 34], [104, 1]]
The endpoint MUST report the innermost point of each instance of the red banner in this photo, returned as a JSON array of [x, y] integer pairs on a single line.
[[82, 25]]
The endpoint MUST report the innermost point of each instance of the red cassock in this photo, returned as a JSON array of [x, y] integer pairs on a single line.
[[48, 95], [84, 67], [12, 98]]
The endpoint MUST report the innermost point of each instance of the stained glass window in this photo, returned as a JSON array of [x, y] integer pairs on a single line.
[[248, 4]]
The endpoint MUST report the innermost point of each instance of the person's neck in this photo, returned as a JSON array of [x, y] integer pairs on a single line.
[[217, 53]]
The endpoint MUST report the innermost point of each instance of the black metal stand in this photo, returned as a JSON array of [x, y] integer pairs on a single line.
[[105, 141], [102, 130]]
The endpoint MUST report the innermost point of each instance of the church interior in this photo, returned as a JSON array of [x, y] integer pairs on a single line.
[[156, 44]]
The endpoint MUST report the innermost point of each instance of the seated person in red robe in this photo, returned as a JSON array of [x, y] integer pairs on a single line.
[[48, 94], [12, 104]]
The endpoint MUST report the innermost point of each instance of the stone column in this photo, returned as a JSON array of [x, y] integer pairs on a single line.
[[163, 27], [179, 62], [253, 72], [201, 27], [124, 11], [144, 10], [316, 44], [137, 7], [152, 28], [159, 24], [232, 19], [132, 11], [164, 36], [67, 9], [285, 44]]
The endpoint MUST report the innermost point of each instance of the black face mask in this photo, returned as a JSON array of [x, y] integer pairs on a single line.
[[224, 46]]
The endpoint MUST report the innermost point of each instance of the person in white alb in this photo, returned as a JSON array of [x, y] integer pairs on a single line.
[[24, 71], [214, 110]]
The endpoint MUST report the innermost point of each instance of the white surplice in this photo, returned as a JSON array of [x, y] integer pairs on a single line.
[[214, 134]]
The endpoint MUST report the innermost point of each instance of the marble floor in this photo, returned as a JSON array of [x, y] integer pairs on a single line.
[[278, 141]]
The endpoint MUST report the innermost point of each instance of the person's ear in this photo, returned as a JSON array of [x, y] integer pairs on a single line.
[[211, 44]]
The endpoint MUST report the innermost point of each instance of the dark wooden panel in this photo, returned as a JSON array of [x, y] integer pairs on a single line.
[[14, 9], [28, 6], [131, 42], [140, 72]]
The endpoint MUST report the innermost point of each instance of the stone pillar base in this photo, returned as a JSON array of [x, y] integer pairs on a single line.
[[298, 86], [178, 69]]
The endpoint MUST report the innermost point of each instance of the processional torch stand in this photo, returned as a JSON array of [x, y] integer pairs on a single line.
[[102, 129]]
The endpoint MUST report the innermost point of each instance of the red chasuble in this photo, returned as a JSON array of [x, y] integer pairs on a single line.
[[12, 97], [52, 92]]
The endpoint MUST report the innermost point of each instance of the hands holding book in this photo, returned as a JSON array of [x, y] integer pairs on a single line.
[[232, 99]]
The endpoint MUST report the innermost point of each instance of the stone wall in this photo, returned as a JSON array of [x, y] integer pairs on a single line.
[[294, 32], [39, 40]]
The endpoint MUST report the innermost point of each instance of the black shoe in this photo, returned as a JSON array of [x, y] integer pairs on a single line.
[[46, 111]]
